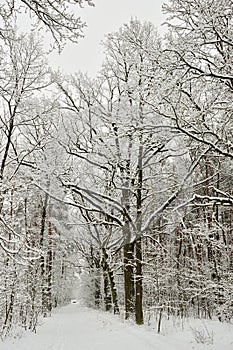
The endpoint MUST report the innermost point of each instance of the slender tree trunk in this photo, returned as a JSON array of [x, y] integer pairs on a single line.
[[49, 264], [42, 259], [10, 129], [207, 192], [9, 312], [107, 293]]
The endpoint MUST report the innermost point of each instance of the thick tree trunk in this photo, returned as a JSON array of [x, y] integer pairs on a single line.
[[114, 293], [128, 252], [109, 273], [129, 279], [138, 284], [95, 265], [97, 289], [107, 294], [138, 244]]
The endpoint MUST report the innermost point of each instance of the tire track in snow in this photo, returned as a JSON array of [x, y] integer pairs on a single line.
[[78, 328]]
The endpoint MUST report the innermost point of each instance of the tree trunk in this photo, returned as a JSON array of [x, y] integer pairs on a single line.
[[138, 244], [138, 284], [129, 279], [42, 259], [49, 264], [107, 295], [112, 285]]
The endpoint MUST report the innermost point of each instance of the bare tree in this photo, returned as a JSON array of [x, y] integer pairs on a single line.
[[198, 62], [56, 17], [130, 147]]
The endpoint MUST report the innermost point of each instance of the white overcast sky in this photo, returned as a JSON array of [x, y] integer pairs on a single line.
[[107, 16]]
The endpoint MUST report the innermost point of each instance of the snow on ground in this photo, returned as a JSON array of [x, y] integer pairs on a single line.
[[75, 327]]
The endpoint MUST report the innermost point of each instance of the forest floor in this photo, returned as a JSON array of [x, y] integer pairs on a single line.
[[75, 327]]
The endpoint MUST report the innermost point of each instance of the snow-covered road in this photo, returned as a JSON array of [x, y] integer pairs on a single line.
[[78, 328], [74, 327]]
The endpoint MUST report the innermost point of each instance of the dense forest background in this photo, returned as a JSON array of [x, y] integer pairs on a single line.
[[121, 184]]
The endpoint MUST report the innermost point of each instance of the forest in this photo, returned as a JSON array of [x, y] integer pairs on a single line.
[[122, 183]]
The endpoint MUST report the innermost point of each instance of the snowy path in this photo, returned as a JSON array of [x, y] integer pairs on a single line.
[[77, 328]]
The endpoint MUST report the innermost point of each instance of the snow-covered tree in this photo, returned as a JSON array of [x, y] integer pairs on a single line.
[[57, 17], [124, 149]]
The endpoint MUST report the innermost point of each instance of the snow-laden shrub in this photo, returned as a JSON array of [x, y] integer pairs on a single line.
[[203, 335]]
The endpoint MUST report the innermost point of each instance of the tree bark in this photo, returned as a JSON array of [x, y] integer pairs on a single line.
[[49, 263], [138, 244], [138, 284], [129, 279], [109, 272], [42, 258]]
